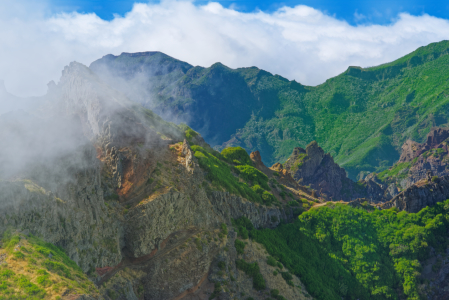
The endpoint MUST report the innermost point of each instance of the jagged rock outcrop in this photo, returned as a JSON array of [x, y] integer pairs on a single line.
[[312, 167], [435, 138], [418, 160], [424, 193], [125, 195]]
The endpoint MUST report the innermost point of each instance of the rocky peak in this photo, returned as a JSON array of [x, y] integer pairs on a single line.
[[417, 160], [412, 149], [312, 167], [426, 192], [257, 159], [277, 167], [313, 150]]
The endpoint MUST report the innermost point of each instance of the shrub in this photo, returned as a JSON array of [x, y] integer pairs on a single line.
[[274, 219], [57, 267], [221, 265], [268, 198], [252, 269], [32, 261], [18, 255], [217, 290], [5, 274], [271, 261], [239, 246], [287, 276], [43, 280], [237, 155], [293, 203], [253, 176], [243, 233], [243, 225], [29, 287], [256, 188], [224, 228]]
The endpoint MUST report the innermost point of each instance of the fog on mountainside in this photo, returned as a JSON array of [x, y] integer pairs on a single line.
[[64, 123], [361, 117], [101, 198]]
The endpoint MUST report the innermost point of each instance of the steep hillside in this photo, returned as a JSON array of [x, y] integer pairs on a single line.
[[361, 117], [345, 252], [100, 198], [95, 186], [418, 161]]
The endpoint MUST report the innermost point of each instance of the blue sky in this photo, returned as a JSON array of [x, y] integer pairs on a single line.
[[352, 11]]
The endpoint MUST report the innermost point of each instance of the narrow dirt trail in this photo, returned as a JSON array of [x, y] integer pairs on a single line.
[[325, 203]]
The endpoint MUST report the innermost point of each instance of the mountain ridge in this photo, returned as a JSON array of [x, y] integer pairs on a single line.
[[367, 112]]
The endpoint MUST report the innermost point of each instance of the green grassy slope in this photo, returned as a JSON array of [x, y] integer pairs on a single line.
[[361, 116], [33, 269], [341, 252]]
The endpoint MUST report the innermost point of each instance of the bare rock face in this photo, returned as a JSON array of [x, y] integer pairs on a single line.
[[125, 195], [412, 150], [423, 193], [314, 168], [418, 160]]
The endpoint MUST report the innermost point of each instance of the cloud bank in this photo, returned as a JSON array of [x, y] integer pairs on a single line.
[[299, 43]]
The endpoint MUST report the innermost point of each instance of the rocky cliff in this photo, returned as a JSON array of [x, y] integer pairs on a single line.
[[426, 192], [419, 161], [122, 192], [316, 169]]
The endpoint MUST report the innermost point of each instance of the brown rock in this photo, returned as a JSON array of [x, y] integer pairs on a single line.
[[312, 167]]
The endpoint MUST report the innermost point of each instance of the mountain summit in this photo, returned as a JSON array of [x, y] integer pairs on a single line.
[[361, 117]]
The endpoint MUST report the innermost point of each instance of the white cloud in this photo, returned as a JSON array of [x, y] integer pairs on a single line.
[[299, 42]]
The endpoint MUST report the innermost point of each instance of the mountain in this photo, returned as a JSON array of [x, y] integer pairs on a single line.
[[101, 198], [361, 117]]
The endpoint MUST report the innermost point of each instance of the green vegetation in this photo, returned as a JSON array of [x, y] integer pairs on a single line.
[[271, 261], [243, 226], [399, 170], [252, 269], [48, 270], [220, 174], [361, 116], [190, 134], [236, 155], [340, 251], [275, 294], [217, 290], [253, 176], [239, 246]]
